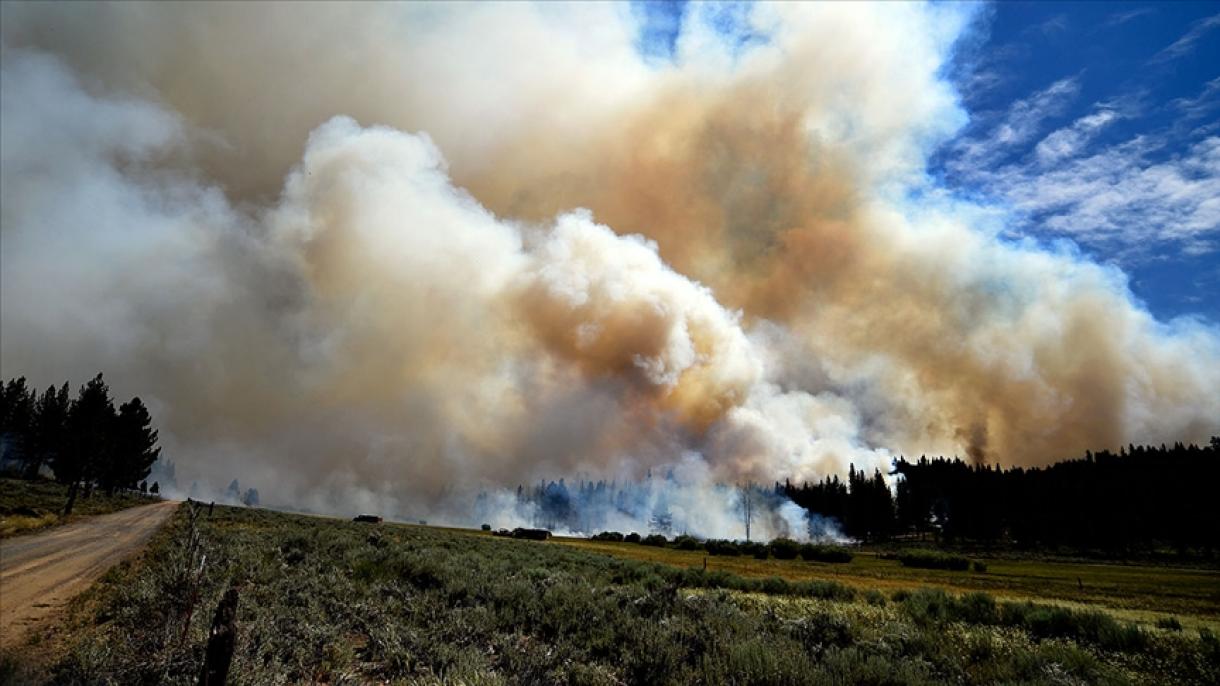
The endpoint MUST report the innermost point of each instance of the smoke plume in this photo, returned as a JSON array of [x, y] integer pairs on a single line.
[[383, 257]]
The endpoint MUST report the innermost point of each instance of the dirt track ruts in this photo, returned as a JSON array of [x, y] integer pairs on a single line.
[[39, 573]]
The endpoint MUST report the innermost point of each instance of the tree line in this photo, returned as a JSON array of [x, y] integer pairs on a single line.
[[1136, 500], [85, 441]]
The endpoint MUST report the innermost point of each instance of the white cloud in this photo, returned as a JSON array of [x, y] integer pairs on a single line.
[[1119, 18], [1069, 141], [1019, 124], [1120, 195], [1186, 43]]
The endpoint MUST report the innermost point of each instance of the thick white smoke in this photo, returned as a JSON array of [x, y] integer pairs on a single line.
[[574, 264]]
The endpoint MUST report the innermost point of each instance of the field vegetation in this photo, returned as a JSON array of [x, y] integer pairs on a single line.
[[330, 601], [28, 506], [1142, 592]]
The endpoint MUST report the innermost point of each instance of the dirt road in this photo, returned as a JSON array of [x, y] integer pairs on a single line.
[[41, 572]]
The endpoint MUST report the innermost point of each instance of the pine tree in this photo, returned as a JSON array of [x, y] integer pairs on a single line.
[[88, 441], [48, 429], [135, 448], [16, 417], [250, 499]]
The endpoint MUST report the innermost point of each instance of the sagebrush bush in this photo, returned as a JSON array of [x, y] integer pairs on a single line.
[[721, 547], [685, 542], [934, 559], [811, 552], [784, 549]]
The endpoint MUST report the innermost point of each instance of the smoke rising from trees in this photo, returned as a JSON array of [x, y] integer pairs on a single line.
[[489, 243]]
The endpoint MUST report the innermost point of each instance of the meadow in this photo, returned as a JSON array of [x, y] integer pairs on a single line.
[[329, 601], [29, 506], [1140, 592]]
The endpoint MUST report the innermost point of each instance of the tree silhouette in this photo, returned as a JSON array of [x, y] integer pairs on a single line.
[[89, 442], [48, 429], [16, 418], [135, 448]]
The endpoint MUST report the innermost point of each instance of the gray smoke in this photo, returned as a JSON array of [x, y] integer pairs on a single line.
[[489, 245]]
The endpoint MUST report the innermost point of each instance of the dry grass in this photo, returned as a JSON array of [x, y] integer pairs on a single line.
[[46, 499], [1143, 592]]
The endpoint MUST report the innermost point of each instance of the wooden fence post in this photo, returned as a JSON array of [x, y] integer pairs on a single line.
[[221, 640]]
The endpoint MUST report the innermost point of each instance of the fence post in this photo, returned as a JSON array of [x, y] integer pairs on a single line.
[[221, 640]]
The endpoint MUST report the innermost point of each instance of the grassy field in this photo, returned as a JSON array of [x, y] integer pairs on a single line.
[[1138, 592], [328, 601], [28, 506]]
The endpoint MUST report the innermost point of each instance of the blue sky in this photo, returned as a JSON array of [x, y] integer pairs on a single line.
[[1097, 124]]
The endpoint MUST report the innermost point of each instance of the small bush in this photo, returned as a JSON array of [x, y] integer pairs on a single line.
[[656, 540], [632, 537], [685, 542], [612, 536], [825, 553], [784, 549], [979, 567], [774, 585], [721, 547], [758, 550], [486, 527], [931, 559], [1169, 624], [531, 534]]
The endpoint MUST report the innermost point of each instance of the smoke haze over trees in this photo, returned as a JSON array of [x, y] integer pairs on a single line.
[[544, 255], [1138, 500]]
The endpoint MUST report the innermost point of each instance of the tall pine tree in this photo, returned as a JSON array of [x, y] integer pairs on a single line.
[[135, 447], [47, 430], [89, 443]]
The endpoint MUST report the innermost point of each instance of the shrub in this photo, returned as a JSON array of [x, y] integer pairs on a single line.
[[685, 542], [774, 585], [979, 567], [721, 547], [612, 536], [754, 548], [1169, 624], [825, 553], [532, 534], [632, 537], [784, 549], [931, 559], [656, 540], [486, 527]]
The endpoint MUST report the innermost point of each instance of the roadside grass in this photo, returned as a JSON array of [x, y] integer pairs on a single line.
[[29, 506], [327, 601], [1146, 592]]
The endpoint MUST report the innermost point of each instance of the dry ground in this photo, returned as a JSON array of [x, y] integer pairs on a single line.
[[39, 573]]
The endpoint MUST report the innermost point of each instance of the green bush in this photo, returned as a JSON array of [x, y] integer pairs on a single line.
[[784, 549], [979, 567], [1169, 624], [932, 559], [758, 550], [721, 547], [612, 536], [656, 540], [685, 542], [632, 537], [811, 552]]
